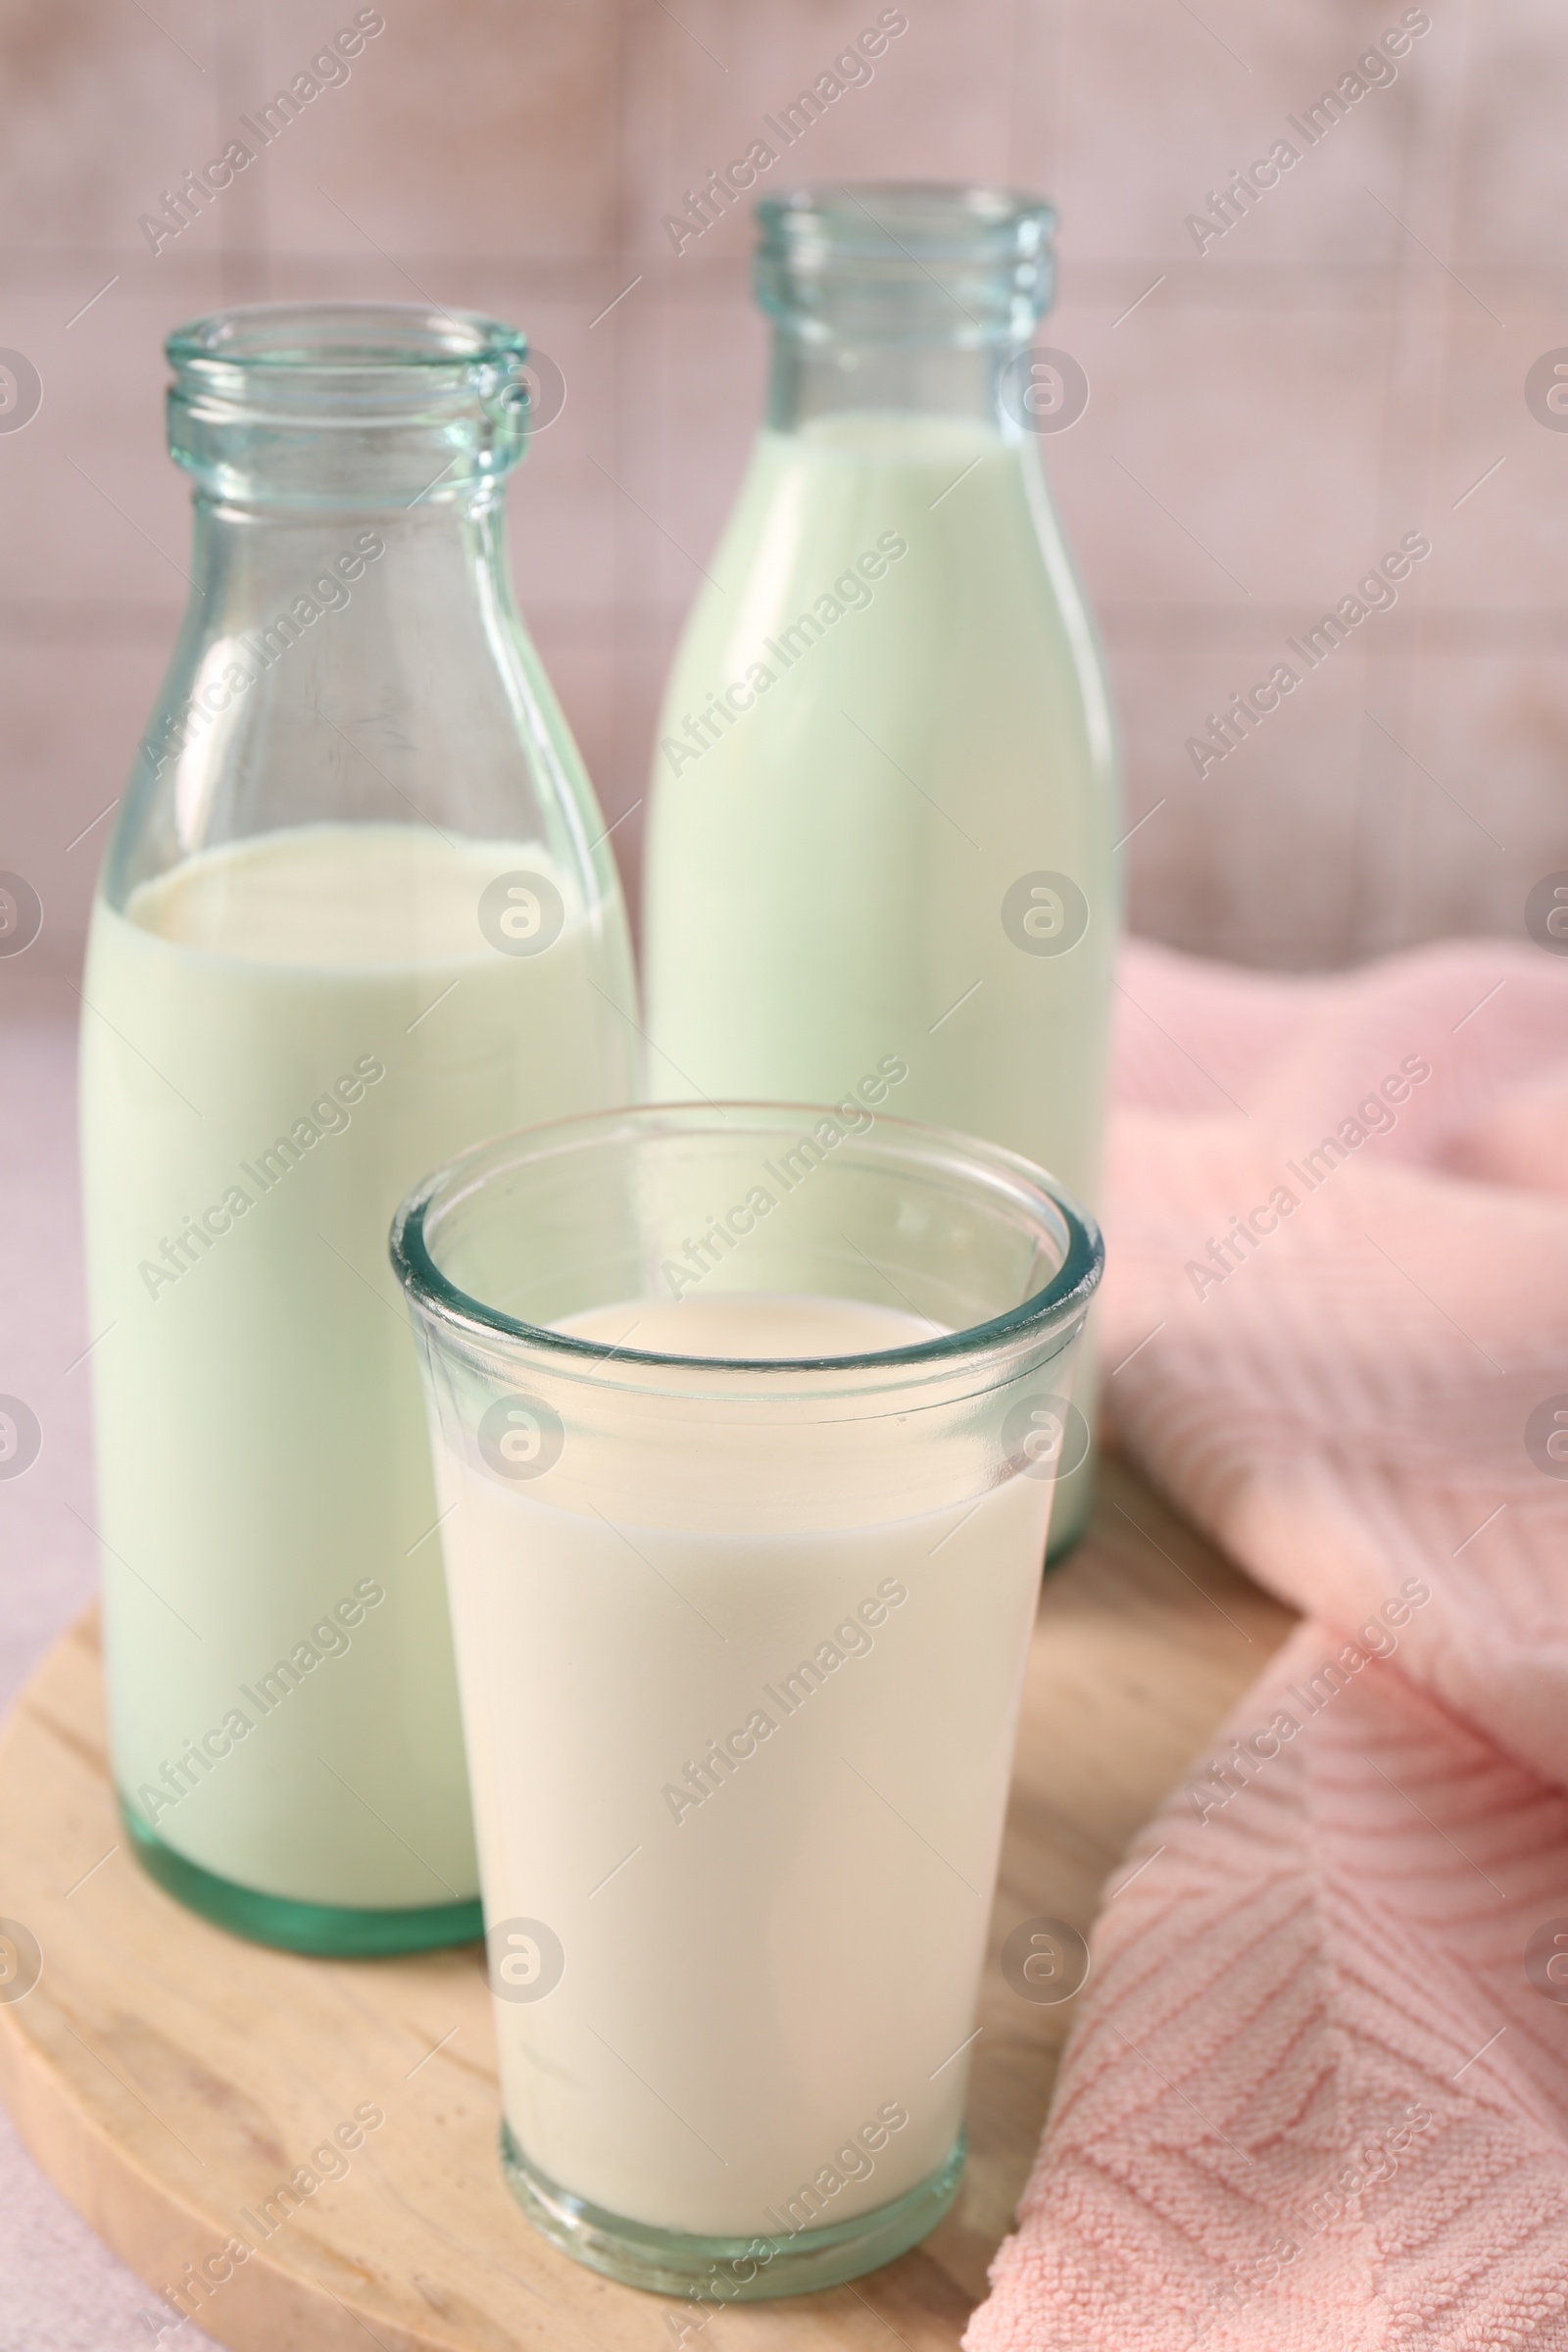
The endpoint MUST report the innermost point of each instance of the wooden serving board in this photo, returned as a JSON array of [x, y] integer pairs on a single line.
[[167, 2077]]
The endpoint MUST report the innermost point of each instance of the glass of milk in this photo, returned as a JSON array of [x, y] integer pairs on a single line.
[[356, 912], [885, 791], [744, 1422]]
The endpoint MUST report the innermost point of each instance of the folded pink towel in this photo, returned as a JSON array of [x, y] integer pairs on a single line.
[[1317, 2094]]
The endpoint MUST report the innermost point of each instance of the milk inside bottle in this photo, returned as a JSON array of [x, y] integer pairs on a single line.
[[885, 798], [358, 913]]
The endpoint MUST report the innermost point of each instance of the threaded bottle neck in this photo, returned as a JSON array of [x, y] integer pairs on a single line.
[[905, 264], [347, 405]]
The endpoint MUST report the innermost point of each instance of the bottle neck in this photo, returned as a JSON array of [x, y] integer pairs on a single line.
[[273, 540], [346, 407], [898, 297], [826, 376], [324, 614], [264, 572]]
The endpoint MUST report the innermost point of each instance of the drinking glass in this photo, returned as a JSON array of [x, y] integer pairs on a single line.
[[744, 1422]]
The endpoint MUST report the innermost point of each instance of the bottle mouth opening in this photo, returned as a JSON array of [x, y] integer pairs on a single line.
[[354, 362], [344, 341], [901, 220], [294, 397]]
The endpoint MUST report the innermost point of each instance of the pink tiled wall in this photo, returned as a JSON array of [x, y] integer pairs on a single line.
[[1266, 417]]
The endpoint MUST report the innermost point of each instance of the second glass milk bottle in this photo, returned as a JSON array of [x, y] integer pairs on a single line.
[[358, 913], [885, 799]]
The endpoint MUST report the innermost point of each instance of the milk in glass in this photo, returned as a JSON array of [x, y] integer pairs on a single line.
[[740, 1800]]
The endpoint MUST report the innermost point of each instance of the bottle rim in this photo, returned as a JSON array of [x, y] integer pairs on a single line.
[[347, 402], [298, 367], [344, 340], [904, 219], [906, 262]]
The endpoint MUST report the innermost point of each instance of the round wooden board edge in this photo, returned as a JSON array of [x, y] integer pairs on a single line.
[[264, 2305]]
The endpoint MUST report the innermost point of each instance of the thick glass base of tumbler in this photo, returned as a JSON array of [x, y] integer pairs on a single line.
[[327, 1931], [716, 2270]]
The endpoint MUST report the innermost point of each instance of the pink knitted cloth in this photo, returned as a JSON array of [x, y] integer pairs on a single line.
[[1317, 2092]]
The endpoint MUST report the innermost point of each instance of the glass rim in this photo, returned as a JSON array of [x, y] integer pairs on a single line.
[[949, 219], [270, 337], [430, 1291]]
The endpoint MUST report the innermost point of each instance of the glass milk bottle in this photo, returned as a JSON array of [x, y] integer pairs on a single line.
[[358, 913], [885, 799]]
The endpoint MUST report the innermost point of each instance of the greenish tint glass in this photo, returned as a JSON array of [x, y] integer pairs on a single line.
[[716, 2270], [358, 910], [322, 1931], [885, 809], [901, 299]]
